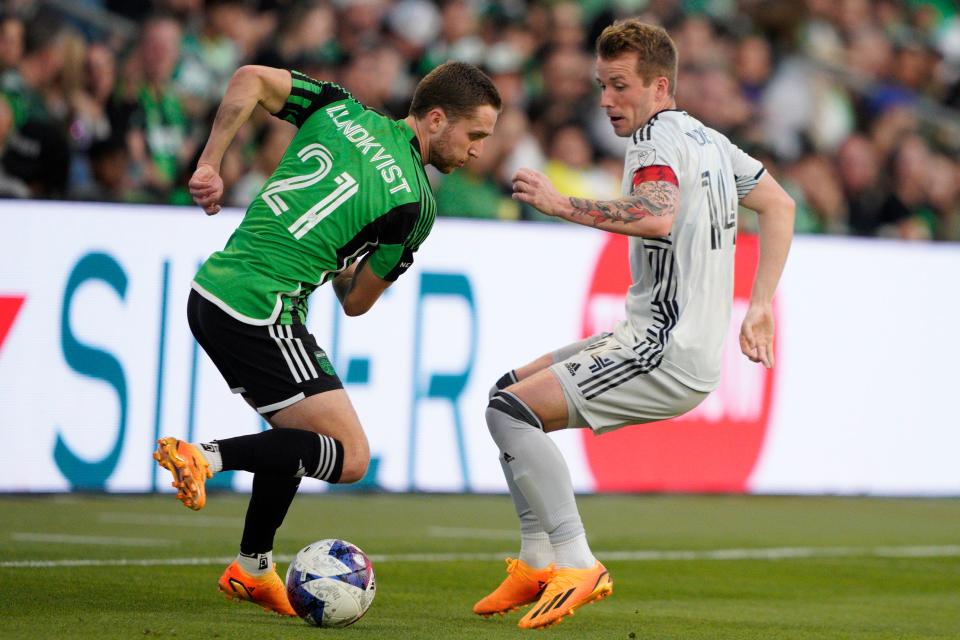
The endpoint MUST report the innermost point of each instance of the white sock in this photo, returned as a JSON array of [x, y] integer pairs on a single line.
[[211, 453], [536, 550], [540, 476], [257, 564], [574, 553]]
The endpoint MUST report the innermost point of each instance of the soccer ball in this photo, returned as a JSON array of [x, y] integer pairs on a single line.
[[330, 583]]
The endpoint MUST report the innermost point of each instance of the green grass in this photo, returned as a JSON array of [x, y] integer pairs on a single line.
[[851, 594]]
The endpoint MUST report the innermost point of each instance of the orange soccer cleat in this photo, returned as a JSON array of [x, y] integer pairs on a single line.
[[523, 585], [189, 468], [268, 591], [569, 590]]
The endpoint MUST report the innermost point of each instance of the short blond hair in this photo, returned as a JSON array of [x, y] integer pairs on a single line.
[[656, 52]]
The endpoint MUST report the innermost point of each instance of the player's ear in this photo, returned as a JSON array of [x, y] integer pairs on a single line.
[[663, 87], [436, 119]]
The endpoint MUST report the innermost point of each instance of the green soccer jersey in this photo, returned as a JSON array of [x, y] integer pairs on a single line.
[[350, 184]]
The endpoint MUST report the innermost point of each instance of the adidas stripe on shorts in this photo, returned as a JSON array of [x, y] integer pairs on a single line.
[[272, 366], [609, 387]]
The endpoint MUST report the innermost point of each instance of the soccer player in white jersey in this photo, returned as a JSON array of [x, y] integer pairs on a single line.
[[683, 183]]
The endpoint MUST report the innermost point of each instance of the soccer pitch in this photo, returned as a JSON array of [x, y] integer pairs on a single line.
[[706, 567]]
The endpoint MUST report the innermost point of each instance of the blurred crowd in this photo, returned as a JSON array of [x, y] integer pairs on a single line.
[[851, 104]]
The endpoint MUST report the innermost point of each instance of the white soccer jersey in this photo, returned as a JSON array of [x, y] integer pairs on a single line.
[[678, 307]]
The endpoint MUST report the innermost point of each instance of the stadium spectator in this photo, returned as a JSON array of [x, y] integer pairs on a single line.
[[906, 213], [110, 181], [274, 138], [826, 207], [11, 42], [25, 87], [372, 76], [571, 169], [458, 39], [566, 92], [211, 53], [157, 126], [798, 78], [37, 155], [943, 195], [305, 32], [859, 172]]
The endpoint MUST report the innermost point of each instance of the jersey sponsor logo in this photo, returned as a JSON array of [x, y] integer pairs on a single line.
[[365, 143], [716, 446]]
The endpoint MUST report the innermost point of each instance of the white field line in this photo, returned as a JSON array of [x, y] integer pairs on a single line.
[[156, 520], [478, 534], [770, 553], [64, 538]]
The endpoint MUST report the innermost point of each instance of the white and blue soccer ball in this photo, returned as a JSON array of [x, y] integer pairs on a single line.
[[330, 583]]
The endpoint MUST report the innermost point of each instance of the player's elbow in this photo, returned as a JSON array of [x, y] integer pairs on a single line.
[[354, 308], [784, 202], [248, 74], [783, 206], [657, 226], [789, 205]]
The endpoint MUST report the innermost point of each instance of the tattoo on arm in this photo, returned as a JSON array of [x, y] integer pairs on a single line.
[[648, 199]]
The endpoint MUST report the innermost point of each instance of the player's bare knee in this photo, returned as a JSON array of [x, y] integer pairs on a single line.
[[354, 468], [356, 460]]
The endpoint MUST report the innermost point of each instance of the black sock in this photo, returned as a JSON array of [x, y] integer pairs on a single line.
[[269, 501], [290, 453]]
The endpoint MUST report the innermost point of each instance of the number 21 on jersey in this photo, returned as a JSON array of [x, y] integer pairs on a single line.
[[345, 188]]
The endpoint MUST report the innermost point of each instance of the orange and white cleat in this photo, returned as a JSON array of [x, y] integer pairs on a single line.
[[569, 590], [269, 591], [523, 585], [189, 468]]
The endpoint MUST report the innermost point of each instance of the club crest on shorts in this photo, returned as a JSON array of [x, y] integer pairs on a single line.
[[324, 362]]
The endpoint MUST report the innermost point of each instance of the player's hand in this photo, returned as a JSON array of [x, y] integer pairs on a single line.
[[535, 189], [206, 188], [756, 334]]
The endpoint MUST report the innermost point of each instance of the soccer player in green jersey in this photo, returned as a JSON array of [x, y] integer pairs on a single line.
[[349, 204]]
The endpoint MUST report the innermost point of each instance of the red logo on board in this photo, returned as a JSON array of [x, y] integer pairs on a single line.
[[714, 447], [9, 308]]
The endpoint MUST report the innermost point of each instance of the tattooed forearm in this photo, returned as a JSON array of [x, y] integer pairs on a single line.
[[648, 199]]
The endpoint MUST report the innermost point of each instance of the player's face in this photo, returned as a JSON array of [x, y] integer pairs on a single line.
[[623, 96], [460, 141]]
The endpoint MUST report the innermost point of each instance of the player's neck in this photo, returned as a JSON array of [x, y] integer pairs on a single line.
[[663, 105], [423, 140]]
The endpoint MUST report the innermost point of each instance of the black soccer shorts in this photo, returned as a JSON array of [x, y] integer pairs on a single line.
[[272, 366]]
